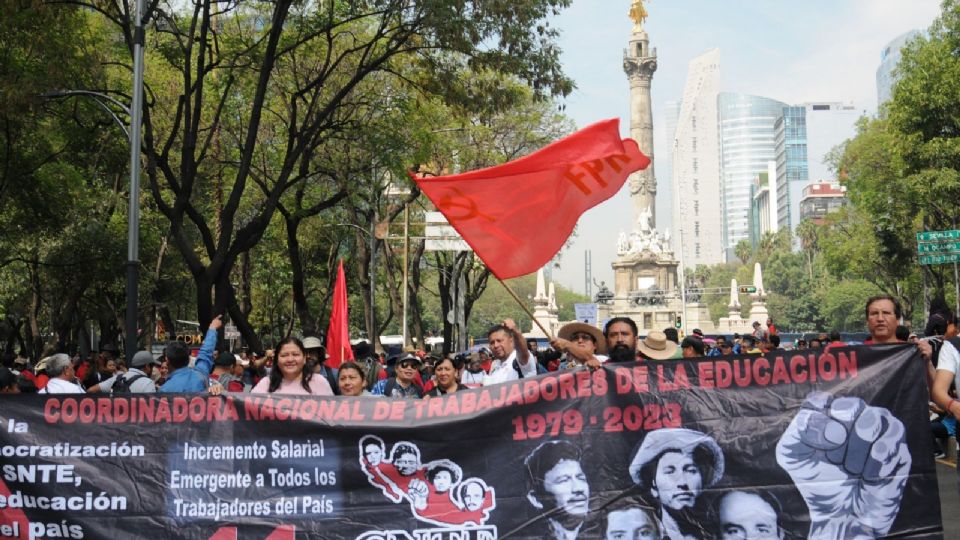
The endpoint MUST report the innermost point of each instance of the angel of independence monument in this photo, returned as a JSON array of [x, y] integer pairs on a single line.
[[645, 271], [647, 285]]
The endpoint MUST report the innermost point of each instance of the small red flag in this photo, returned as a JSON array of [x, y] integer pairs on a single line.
[[516, 216], [338, 334]]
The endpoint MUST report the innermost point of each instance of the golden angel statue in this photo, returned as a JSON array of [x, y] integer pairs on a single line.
[[638, 13]]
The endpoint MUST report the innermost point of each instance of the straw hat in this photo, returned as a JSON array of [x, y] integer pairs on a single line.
[[568, 330], [311, 342], [657, 346], [677, 440]]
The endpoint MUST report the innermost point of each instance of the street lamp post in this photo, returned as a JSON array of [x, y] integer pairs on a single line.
[[133, 215], [406, 272], [373, 281]]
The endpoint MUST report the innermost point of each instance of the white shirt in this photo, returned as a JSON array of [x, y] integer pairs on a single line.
[[502, 370], [569, 362], [60, 386], [472, 380], [949, 360]]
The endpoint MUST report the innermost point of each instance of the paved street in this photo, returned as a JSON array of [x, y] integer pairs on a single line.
[[949, 499]]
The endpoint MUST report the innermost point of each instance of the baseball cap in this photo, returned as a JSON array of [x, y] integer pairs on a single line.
[[143, 358], [410, 358]]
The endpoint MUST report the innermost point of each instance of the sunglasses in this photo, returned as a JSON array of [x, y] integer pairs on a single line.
[[407, 365], [580, 336]]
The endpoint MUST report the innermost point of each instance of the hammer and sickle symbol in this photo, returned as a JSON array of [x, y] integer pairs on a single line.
[[459, 207]]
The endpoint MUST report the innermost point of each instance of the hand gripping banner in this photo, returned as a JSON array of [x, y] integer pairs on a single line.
[[789, 445]]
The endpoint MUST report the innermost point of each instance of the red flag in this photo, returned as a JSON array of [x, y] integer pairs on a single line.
[[338, 335], [516, 216]]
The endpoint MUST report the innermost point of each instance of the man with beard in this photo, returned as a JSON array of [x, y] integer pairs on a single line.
[[621, 336], [559, 489], [672, 467], [474, 494]]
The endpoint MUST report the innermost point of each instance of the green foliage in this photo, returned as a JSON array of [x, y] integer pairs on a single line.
[[496, 304]]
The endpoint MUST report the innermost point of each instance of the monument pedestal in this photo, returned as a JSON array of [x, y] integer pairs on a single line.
[[645, 284], [759, 313], [698, 316]]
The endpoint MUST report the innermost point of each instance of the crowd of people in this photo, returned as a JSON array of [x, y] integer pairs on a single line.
[[298, 366], [302, 367]]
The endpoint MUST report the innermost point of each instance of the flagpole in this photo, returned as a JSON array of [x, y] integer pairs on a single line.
[[524, 307]]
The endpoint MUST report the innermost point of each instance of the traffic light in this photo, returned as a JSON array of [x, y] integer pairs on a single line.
[[750, 289], [679, 322]]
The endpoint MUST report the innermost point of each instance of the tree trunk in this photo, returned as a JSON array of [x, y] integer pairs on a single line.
[[307, 321], [413, 289], [369, 303], [36, 339]]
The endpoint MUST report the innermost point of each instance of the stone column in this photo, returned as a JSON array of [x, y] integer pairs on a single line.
[[639, 63]]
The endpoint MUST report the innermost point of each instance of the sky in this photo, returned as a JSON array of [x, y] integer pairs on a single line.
[[818, 50]]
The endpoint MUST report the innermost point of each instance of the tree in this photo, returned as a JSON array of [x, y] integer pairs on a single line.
[[743, 250], [248, 93], [902, 169], [61, 180]]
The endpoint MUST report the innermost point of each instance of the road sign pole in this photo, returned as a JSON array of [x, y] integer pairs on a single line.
[[956, 281]]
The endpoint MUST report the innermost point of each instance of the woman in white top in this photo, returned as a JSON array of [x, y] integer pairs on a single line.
[[288, 375]]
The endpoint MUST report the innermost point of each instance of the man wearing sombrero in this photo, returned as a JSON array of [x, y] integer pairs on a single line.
[[583, 343], [672, 467]]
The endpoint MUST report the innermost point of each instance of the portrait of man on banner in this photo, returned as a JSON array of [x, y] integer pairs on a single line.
[[746, 514], [558, 490], [672, 467], [630, 518]]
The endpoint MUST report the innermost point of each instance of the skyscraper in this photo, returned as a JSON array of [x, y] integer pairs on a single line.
[[665, 196], [889, 58], [790, 134], [746, 145], [805, 135], [696, 168]]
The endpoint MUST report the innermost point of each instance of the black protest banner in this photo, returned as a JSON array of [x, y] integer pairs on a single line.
[[832, 445]]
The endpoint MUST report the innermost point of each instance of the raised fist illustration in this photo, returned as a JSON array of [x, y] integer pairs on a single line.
[[418, 492], [850, 462]]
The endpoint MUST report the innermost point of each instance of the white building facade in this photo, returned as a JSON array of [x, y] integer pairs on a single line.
[[696, 167]]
